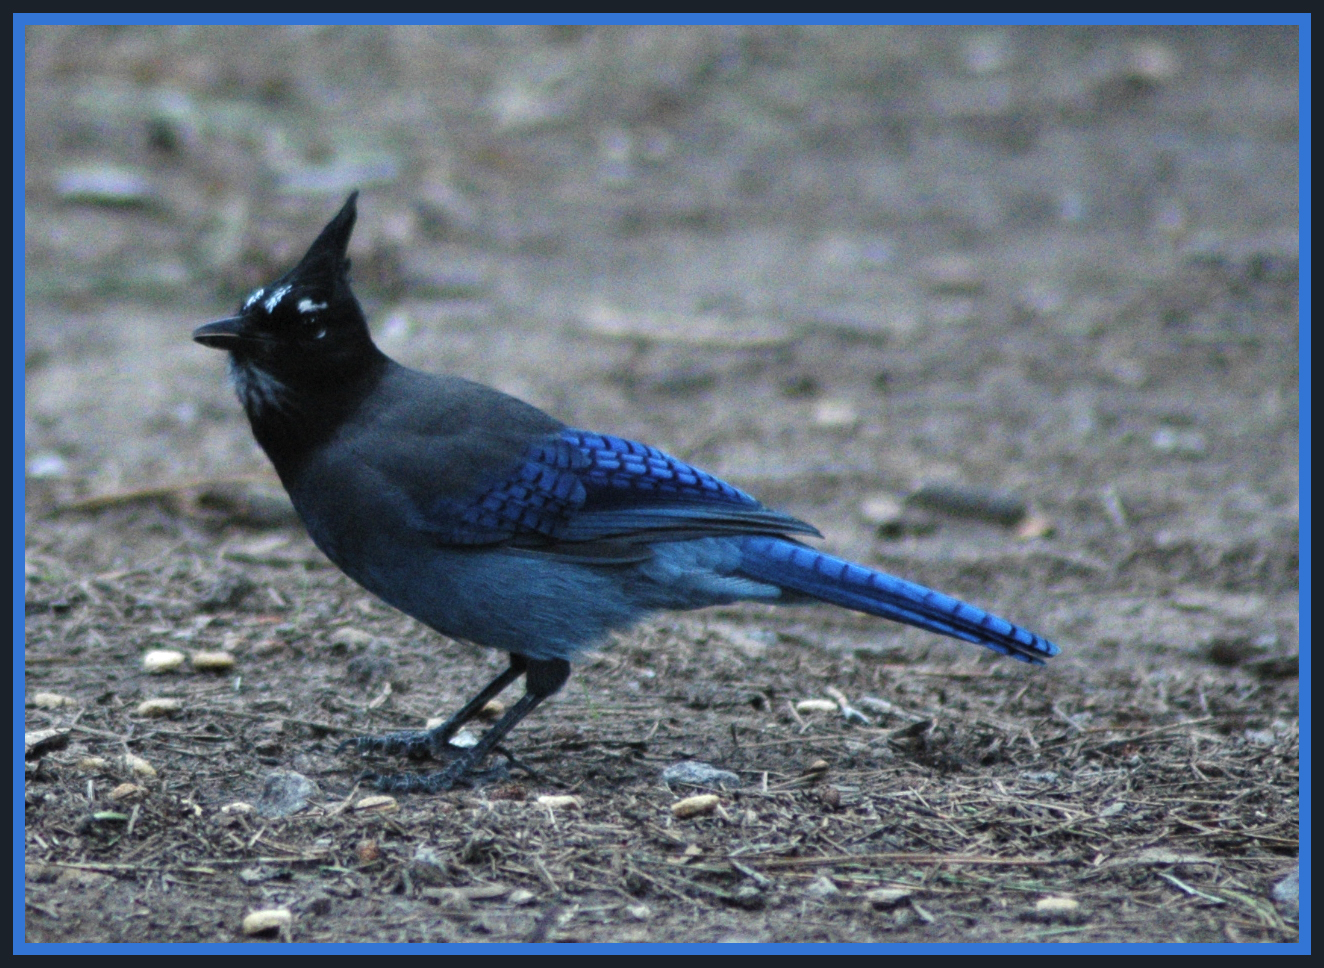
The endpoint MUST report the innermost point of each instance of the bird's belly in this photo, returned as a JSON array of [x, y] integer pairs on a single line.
[[533, 607]]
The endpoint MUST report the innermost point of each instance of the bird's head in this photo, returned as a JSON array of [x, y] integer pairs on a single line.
[[301, 333]]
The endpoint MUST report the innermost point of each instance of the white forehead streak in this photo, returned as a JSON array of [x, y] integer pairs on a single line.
[[274, 299], [253, 298], [307, 306]]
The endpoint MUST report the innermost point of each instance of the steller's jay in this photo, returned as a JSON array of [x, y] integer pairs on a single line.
[[486, 519]]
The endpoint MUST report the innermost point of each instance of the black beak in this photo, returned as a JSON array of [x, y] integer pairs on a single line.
[[225, 334]]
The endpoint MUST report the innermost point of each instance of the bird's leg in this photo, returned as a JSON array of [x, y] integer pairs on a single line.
[[420, 743], [542, 678]]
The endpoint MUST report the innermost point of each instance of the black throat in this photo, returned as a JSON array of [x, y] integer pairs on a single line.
[[293, 413]]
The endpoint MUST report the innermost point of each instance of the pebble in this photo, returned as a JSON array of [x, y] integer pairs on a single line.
[[695, 806], [559, 801], [48, 465], [51, 700], [836, 415], [273, 919], [162, 660], [285, 792], [213, 661], [156, 708], [816, 706], [138, 766], [126, 791], [822, 888], [694, 773], [103, 185], [1061, 909], [350, 636], [1182, 443], [881, 898]]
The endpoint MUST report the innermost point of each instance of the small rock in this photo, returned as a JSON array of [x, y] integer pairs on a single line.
[[1034, 526], [559, 801], [262, 922], [986, 52], [103, 185], [968, 502], [93, 764], [350, 637], [883, 898], [1058, 909], [463, 740], [239, 806], [1287, 893], [881, 508], [48, 465], [213, 661], [162, 660], [694, 773], [138, 766], [521, 896], [367, 851], [284, 793], [695, 806], [836, 414], [822, 888], [127, 791], [816, 706], [156, 708], [492, 709], [1181, 443], [1153, 62], [51, 700], [260, 874]]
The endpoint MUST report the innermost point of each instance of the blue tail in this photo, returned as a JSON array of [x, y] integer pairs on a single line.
[[796, 568]]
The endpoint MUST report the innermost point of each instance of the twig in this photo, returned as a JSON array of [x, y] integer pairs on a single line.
[[904, 858]]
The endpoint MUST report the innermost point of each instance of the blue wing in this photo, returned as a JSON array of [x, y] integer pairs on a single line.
[[578, 487], [606, 500]]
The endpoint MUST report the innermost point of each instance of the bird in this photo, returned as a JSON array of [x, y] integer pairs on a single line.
[[492, 522]]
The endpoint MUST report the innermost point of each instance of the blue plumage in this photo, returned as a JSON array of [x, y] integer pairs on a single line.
[[490, 521]]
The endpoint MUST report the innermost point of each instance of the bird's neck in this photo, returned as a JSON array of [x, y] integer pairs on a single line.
[[291, 418]]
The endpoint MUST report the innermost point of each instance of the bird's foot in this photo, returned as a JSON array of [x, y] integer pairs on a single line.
[[416, 744], [462, 772]]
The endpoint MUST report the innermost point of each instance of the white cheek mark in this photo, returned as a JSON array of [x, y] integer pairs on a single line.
[[308, 307], [253, 297], [257, 389], [274, 299]]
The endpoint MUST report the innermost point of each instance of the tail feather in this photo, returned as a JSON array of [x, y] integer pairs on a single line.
[[796, 568]]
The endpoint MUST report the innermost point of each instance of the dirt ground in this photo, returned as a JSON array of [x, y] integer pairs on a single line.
[[1010, 312]]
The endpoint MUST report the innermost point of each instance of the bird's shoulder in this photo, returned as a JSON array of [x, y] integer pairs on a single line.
[[440, 435]]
